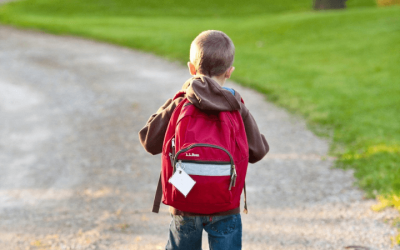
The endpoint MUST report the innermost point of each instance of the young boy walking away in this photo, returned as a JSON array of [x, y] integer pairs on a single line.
[[211, 58]]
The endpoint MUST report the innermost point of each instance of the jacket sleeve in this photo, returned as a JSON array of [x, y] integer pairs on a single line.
[[258, 145], [152, 135]]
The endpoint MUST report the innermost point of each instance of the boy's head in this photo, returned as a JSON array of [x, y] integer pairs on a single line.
[[211, 53]]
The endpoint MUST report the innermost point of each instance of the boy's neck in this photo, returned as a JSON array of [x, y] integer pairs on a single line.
[[219, 79]]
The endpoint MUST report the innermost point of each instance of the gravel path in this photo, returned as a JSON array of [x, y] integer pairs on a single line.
[[74, 176]]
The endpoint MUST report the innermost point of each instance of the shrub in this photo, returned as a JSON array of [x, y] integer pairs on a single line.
[[387, 2]]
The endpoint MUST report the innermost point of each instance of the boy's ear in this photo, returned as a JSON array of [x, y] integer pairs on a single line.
[[192, 68], [228, 73]]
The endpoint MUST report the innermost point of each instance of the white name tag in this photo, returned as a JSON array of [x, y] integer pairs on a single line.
[[182, 181]]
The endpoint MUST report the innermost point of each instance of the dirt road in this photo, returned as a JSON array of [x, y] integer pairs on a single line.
[[74, 176]]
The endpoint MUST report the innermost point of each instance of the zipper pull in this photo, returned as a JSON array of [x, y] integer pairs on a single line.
[[231, 183], [173, 146], [171, 158], [232, 180], [234, 177]]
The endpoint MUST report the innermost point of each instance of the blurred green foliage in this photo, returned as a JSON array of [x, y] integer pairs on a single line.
[[339, 69], [172, 8]]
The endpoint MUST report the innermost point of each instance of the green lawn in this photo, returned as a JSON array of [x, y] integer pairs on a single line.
[[171, 8], [339, 69]]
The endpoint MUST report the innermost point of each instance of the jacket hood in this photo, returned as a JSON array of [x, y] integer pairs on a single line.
[[206, 94]]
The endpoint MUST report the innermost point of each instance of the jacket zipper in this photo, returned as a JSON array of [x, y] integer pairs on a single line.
[[233, 169]]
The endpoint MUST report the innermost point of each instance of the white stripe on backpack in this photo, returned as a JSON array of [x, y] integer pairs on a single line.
[[206, 169]]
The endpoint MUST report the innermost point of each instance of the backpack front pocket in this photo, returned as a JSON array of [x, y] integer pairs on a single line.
[[212, 183], [213, 170]]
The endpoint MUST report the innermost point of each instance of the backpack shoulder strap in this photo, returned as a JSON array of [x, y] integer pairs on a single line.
[[181, 93], [157, 197], [246, 211], [158, 194]]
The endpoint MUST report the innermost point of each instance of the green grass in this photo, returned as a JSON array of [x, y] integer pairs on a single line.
[[339, 69], [172, 8]]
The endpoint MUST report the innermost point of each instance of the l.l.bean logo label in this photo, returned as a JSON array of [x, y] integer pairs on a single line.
[[192, 155]]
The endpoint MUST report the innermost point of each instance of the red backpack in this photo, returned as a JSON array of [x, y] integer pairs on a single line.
[[211, 147]]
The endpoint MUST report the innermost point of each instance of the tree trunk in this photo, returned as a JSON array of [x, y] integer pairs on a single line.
[[329, 4]]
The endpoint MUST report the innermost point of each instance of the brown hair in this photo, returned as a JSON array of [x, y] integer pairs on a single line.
[[212, 52]]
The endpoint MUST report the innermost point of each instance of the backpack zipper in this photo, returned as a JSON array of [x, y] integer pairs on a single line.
[[208, 162], [172, 153], [233, 169], [173, 146]]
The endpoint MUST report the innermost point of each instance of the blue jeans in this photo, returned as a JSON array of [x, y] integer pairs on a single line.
[[224, 232]]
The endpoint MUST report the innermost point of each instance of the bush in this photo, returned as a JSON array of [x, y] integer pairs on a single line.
[[387, 2]]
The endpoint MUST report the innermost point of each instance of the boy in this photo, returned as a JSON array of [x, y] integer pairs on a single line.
[[211, 58]]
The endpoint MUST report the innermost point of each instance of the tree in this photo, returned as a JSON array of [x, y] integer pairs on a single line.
[[329, 4]]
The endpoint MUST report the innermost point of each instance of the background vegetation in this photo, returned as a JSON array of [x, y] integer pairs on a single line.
[[339, 69]]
